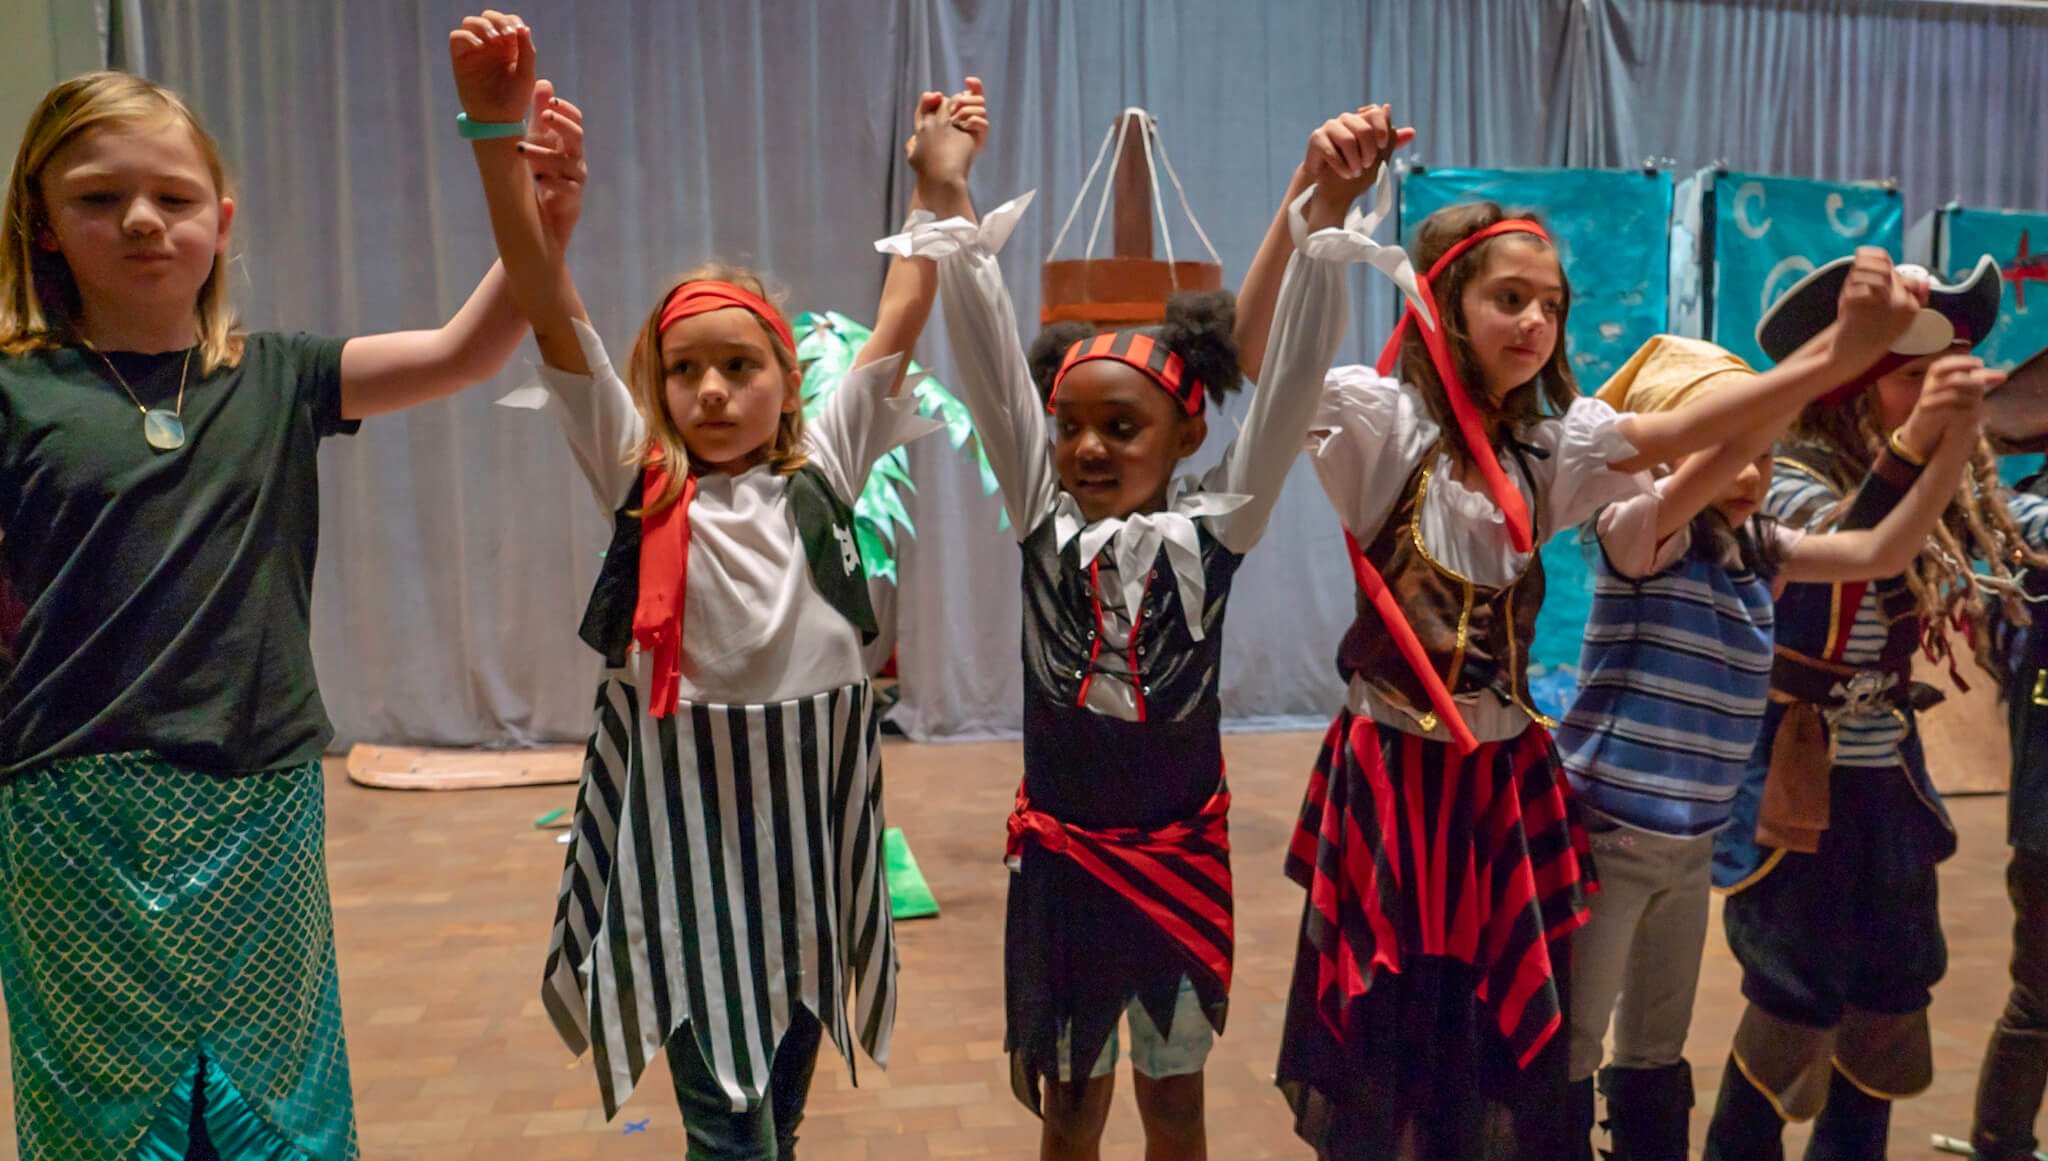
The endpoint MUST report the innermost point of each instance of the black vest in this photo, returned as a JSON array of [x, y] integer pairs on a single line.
[[1099, 771]]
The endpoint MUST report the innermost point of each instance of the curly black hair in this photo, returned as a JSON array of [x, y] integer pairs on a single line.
[[1200, 327], [1049, 350]]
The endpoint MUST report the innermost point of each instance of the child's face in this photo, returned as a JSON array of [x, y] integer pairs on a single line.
[[1898, 390], [724, 388], [1512, 311], [1744, 495], [134, 212], [1116, 438]]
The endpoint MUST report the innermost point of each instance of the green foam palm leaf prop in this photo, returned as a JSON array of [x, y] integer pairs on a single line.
[[827, 343]]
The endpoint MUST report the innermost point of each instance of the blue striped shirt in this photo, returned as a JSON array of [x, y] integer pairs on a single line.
[[1859, 740], [1674, 678]]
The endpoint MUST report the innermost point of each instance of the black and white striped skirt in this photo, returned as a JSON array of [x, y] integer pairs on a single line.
[[724, 867]]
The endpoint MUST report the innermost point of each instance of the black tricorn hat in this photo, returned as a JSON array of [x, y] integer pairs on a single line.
[[1955, 312]]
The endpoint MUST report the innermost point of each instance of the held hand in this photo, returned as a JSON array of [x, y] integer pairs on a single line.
[[1346, 154], [950, 131], [554, 152], [970, 113], [493, 59], [1951, 403], [1877, 304]]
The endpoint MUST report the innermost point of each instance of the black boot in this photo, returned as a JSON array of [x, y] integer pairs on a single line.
[[1581, 1101], [2009, 1093], [1853, 1127], [1649, 1112], [1746, 1126]]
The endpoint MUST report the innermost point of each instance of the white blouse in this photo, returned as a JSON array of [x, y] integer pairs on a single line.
[[1369, 438], [1371, 434], [755, 628]]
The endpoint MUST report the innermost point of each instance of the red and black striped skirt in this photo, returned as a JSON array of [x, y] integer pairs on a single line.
[[1427, 1007]]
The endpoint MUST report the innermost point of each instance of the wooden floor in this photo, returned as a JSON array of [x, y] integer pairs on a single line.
[[443, 903]]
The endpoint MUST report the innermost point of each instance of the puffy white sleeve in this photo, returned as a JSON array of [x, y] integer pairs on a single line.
[[599, 419], [861, 422], [1308, 326], [1368, 435], [1573, 472], [995, 377]]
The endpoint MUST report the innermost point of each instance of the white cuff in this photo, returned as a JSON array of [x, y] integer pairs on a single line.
[[1353, 241], [926, 236], [1591, 434]]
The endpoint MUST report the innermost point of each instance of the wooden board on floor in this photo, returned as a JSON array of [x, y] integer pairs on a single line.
[[1965, 737], [414, 768]]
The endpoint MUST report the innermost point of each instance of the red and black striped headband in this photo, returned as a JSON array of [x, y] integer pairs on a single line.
[[1142, 351]]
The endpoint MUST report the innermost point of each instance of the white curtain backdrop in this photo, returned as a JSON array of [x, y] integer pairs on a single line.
[[459, 540]]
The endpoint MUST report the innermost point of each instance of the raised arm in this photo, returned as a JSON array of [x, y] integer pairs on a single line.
[[533, 189], [494, 63], [1304, 323], [1876, 306], [913, 283], [401, 369], [994, 377], [1349, 149], [867, 414], [388, 372], [1825, 362], [1951, 400]]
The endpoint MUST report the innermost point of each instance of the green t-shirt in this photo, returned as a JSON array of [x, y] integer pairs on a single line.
[[168, 594]]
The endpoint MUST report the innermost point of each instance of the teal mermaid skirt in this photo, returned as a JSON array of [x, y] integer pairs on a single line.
[[166, 936]]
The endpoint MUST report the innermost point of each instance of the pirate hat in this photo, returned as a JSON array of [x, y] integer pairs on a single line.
[[1668, 371], [1955, 312]]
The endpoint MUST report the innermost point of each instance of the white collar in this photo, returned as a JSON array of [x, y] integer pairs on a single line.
[[1137, 539]]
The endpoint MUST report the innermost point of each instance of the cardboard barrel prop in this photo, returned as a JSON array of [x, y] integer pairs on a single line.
[[1129, 287]]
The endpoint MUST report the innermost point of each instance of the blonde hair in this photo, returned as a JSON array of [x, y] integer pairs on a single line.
[[647, 378], [1976, 525], [39, 301]]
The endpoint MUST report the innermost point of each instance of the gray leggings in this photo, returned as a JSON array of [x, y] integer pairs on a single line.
[[1642, 944]]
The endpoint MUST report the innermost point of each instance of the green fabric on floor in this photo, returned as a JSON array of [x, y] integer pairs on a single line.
[[910, 897]]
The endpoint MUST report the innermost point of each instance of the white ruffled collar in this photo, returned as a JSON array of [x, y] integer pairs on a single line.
[[1136, 540]]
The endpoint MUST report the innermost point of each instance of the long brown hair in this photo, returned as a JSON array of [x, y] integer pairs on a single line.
[[39, 301], [1976, 525], [1553, 388], [647, 379]]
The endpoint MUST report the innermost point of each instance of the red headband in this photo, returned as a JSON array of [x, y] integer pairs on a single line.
[[665, 535], [706, 295], [1139, 350], [1478, 441]]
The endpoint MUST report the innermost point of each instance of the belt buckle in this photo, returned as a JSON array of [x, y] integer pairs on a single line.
[[1862, 695]]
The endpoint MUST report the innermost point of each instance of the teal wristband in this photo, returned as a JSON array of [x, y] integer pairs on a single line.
[[470, 130]]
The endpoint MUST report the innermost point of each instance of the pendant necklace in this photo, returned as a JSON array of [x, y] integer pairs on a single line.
[[164, 430]]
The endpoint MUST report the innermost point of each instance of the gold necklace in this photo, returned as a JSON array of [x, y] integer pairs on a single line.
[[163, 430]]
